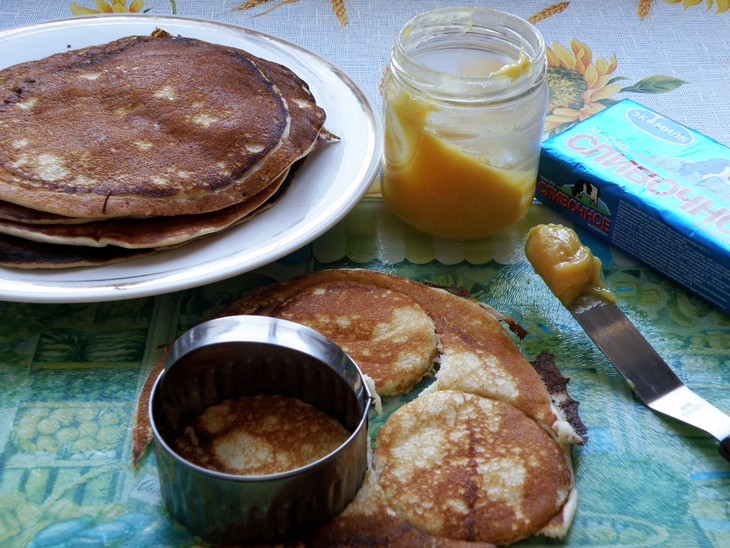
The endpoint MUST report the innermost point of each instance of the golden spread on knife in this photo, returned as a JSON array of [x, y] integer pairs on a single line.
[[147, 136], [566, 265], [482, 454]]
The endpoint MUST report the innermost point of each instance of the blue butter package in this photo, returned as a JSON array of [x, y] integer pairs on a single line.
[[649, 186]]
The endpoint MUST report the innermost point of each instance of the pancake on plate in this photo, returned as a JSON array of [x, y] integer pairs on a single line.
[[18, 252], [151, 232], [162, 232], [158, 148], [480, 457]]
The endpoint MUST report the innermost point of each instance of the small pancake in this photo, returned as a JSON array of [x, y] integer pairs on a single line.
[[158, 137], [471, 468], [388, 334], [259, 435]]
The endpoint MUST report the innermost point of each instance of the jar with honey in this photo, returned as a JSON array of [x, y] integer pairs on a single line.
[[464, 103]]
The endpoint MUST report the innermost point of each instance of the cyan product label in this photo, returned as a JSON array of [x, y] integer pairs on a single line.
[[651, 187]]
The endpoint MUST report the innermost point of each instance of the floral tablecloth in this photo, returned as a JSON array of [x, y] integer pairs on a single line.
[[70, 373]]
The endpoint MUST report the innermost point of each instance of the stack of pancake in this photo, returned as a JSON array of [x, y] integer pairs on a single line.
[[480, 457], [117, 151]]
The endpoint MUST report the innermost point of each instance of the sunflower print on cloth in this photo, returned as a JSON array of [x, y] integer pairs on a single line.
[[580, 87], [112, 6], [722, 5]]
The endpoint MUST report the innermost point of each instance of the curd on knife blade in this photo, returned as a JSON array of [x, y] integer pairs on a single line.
[[568, 267]]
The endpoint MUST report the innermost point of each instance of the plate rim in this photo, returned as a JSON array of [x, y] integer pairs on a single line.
[[168, 280]]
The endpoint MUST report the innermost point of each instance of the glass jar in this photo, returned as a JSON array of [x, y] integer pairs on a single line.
[[464, 105]]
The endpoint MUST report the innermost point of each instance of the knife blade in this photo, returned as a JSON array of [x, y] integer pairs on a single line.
[[648, 375]]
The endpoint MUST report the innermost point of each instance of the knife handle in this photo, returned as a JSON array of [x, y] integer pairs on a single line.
[[725, 448]]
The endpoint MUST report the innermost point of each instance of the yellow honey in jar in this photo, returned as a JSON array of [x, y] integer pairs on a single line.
[[463, 123]]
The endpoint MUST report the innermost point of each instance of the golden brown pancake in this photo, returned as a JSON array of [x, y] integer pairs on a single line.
[[149, 232], [390, 337], [259, 435], [470, 468], [146, 132], [467, 366], [29, 254], [368, 521]]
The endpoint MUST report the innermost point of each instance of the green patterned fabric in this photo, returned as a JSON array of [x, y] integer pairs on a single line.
[[70, 373]]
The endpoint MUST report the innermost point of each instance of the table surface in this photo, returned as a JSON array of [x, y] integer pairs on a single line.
[[70, 373]]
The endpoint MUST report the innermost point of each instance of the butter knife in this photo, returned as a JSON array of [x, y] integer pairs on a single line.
[[648, 375]]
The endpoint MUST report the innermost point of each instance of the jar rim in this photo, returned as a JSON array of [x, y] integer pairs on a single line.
[[483, 28]]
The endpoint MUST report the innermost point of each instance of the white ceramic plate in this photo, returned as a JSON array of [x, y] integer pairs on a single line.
[[328, 185]]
